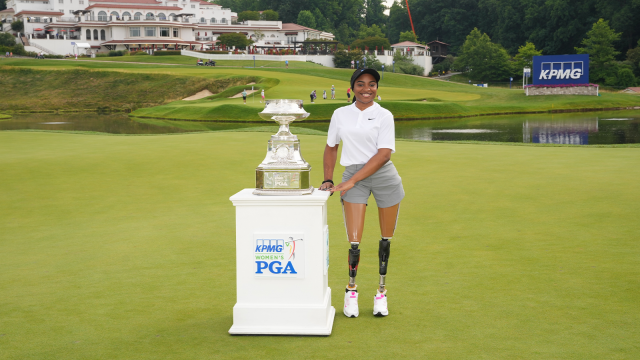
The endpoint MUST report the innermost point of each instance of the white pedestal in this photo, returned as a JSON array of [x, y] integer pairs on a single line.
[[282, 261]]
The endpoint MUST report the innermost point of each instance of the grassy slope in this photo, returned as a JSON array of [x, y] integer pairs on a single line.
[[34, 89], [443, 98], [5, 116], [188, 60], [115, 247]]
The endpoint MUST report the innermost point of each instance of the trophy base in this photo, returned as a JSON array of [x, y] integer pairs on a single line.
[[281, 192]]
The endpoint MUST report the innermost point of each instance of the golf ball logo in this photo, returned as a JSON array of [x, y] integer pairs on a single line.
[[279, 256]]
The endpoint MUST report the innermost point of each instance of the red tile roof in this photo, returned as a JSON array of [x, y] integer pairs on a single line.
[[634, 89], [146, 41], [128, 1], [292, 26], [36, 12], [407, 43], [6, 11]]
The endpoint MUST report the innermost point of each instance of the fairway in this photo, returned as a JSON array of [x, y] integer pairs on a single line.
[[123, 247], [406, 96]]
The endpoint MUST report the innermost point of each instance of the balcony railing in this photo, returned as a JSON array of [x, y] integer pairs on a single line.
[[204, 38], [67, 19]]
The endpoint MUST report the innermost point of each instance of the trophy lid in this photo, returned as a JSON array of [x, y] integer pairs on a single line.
[[283, 111]]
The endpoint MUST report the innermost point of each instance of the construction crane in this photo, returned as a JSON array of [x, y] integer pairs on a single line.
[[410, 20]]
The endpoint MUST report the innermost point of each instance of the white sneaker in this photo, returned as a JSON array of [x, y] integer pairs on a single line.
[[380, 304], [351, 304]]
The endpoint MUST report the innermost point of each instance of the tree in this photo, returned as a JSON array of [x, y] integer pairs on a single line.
[[371, 43], [374, 12], [408, 36], [633, 59], [17, 26], [345, 34], [366, 31], [248, 15], [624, 78], [3, 4], [270, 15], [398, 21], [7, 40], [238, 40], [524, 57], [483, 59], [321, 21], [258, 34], [342, 58], [599, 45], [306, 18]]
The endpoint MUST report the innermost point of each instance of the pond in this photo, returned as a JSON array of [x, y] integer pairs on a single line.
[[617, 127]]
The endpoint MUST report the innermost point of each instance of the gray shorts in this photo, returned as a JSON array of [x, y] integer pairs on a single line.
[[385, 184]]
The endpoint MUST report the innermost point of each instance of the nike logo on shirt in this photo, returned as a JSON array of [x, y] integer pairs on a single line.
[[371, 119]]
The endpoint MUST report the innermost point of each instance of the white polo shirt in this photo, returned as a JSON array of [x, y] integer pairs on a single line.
[[362, 132]]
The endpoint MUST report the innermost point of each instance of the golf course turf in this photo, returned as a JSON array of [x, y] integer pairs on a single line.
[[409, 97], [123, 247]]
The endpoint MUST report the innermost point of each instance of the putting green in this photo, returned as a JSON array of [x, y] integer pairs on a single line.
[[123, 247]]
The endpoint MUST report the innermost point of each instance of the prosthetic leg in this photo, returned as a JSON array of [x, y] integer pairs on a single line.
[[354, 224], [388, 221]]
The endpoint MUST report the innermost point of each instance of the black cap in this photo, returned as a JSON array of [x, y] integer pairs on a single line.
[[359, 72]]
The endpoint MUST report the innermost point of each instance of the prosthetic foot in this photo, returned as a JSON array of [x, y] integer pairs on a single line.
[[351, 293], [380, 300]]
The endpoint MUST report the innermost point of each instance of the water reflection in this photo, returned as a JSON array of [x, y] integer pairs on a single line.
[[572, 132], [618, 127]]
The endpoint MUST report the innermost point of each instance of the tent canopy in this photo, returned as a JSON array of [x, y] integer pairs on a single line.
[[83, 45]]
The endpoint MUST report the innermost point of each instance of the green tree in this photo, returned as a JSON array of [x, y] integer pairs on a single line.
[[623, 78], [366, 31], [398, 21], [3, 4], [374, 12], [483, 59], [238, 40], [248, 15], [7, 40], [408, 36], [270, 15], [371, 43], [633, 59], [342, 58], [599, 45], [306, 18], [345, 34], [524, 57], [17, 26], [321, 22]]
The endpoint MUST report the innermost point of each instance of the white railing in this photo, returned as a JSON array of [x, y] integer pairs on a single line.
[[42, 48]]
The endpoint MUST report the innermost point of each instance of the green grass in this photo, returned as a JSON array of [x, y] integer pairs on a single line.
[[123, 247], [76, 89], [5, 116], [188, 60], [406, 96]]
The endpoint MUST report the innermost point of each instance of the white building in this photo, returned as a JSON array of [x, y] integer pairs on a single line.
[[52, 25]]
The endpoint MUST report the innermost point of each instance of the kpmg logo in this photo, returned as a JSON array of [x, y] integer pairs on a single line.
[[276, 255], [561, 69]]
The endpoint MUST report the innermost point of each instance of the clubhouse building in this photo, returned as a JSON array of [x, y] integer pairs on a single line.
[[53, 25]]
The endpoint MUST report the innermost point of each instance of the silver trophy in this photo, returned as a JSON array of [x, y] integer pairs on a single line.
[[283, 171]]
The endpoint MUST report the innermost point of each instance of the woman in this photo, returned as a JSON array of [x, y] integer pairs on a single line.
[[349, 95], [244, 96], [368, 136], [262, 96]]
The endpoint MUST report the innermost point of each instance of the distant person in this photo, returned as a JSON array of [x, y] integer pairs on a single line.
[[333, 92], [379, 98], [244, 96], [286, 62], [324, 94], [262, 96], [349, 95], [11, 54], [311, 96], [352, 64]]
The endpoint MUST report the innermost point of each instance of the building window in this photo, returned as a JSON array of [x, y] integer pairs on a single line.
[[115, 15], [164, 32], [223, 21], [175, 5], [81, 2], [102, 16], [149, 31], [60, 1], [95, 34], [137, 16], [126, 15], [134, 32], [162, 16], [213, 20], [103, 35], [175, 32], [88, 34], [193, 6], [149, 16], [202, 20]]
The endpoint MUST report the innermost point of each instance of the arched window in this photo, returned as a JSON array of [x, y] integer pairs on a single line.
[[88, 34], [126, 15], [223, 21], [272, 35], [95, 34], [162, 16], [213, 20], [149, 16], [115, 14], [172, 16], [137, 16], [103, 35], [202, 20], [102, 16]]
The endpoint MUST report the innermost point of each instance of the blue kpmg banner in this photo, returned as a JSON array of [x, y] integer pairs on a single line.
[[560, 69]]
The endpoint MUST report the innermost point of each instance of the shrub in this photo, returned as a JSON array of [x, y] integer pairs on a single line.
[[7, 40], [167, 52], [101, 55], [17, 26], [116, 53], [342, 58], [411, 69]]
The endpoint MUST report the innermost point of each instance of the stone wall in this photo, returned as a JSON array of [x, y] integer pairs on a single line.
[[571, 90]]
